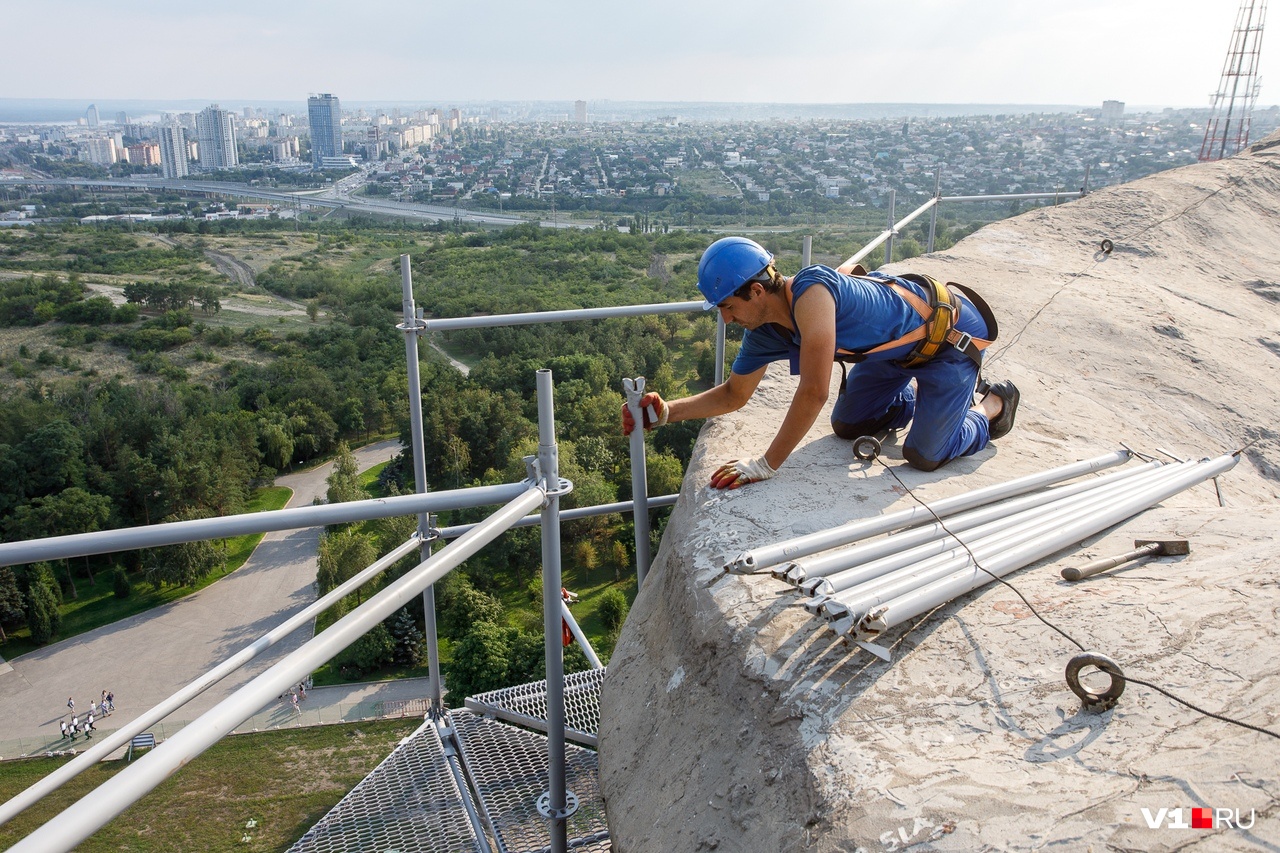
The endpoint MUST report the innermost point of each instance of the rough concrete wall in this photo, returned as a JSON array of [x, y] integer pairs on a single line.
[[733, 720]]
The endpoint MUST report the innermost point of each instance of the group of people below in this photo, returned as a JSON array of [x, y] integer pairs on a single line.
[[98, 708], [912, 348]]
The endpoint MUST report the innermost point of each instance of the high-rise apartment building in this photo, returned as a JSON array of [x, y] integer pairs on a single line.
[[325, 116], [173, 151], [91, 116], [580, 112], [1112, 112], [216, 135]]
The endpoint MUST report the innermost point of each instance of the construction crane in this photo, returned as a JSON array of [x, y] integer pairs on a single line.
[[1227, 131]]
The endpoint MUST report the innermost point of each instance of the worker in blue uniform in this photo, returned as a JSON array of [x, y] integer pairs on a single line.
[[890, 329]]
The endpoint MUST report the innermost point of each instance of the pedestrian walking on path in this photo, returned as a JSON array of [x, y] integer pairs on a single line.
[[71, 704]]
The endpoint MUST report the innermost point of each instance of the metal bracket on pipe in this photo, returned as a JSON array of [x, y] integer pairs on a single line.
[[570, 806], [418, 327], [744, 563]]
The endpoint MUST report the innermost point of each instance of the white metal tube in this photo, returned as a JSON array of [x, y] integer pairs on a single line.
[[457, 530], [106, 801], [880, 583], [830, 566], [118, 738], [576, 630], [1010, 196], [448, 324], [925, 598], [812, 543], [174, 532], [887, 233], [634, 389]]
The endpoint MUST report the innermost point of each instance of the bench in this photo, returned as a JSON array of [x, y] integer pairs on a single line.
[[146, 740]]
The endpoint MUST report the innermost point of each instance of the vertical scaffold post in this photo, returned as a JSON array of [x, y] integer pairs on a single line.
[[893, 228], [413, 326], [806, 251], [933, 213], [557, 804], [634, 389], [719, 348]]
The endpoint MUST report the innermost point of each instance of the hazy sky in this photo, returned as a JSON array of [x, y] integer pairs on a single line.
[[1142, 52]]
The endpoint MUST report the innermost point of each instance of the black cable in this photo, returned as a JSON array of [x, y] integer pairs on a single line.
[[1069, 638]]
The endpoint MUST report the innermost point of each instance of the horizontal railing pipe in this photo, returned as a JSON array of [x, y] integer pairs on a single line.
[[175, 532], [450, 324], [925, 598], [1010, 196], [830, 566], [457, 530], [801, 546], [99, 806], [121, 736]]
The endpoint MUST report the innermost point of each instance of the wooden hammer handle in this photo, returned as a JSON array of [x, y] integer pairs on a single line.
[[1090, 569]]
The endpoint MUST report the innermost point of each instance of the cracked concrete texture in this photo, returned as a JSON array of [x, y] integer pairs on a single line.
[[731, 719]]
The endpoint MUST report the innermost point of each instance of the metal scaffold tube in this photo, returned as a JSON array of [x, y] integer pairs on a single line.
[[555, 803], [449, 324], [919, 566], [812, 543], [121, 736], [97, 807], [889, 232], [634, 389], [925, 598], [412, 327], [823, 573]]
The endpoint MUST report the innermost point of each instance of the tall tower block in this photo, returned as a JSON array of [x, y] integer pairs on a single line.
[[1228, 129]]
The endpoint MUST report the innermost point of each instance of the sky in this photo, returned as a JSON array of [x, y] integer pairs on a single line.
[[1080, 52]]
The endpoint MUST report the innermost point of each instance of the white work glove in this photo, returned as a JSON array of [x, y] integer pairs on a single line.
[[653, 409], [739, 472]]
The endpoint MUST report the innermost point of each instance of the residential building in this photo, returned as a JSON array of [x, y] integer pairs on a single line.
[[216, 136], [173, 151], [580, 112], [101, 151], [144, 154], [1112, 112], [324, 113]]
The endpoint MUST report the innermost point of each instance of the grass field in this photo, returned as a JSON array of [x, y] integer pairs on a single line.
[[98, 605], [283, 781]]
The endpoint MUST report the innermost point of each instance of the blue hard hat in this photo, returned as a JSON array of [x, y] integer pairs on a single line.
[[727, 264]]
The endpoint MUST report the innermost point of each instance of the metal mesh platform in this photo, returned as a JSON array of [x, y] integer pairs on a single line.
[[508, 769], [526, 705], [410, 803]]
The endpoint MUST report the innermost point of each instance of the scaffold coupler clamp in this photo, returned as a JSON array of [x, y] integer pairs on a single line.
[[570, 806], [634, 389]]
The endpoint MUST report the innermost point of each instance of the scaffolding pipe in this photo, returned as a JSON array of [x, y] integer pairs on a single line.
[[451, 324], [861, 589], [886, 234], [808, 573], [720, 330], [634, 389], [100, 805], [925, 598], [892, 230], [175, 532], [1011, 196], [412, 327], [933, 211], [121, 736], [557, 811], [575, 514], [806, 251], [576, 631], [812, 543]]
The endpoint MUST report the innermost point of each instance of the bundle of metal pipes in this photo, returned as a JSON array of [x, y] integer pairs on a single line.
[[867, 589]]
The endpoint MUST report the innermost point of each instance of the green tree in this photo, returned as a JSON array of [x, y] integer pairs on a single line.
[[343, 554], [344, 480], [43, 616], [481, 660], [185, 563], [12, 607], [408, 639], [613, 608]]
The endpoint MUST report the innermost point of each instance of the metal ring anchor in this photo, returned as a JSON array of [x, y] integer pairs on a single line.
[[1095, 701], [866, 447]]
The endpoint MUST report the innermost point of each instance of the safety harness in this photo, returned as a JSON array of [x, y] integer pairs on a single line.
[[941, 314]]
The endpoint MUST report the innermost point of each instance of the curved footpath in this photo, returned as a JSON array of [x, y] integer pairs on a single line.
[[145, 658]]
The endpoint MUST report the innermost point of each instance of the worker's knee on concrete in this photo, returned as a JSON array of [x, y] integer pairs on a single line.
[[917, 460], [867, 426]]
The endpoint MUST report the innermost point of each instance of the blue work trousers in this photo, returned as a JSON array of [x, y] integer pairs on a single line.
[[879, 395]]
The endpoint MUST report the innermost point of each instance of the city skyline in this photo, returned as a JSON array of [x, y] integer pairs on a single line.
[[1142, 52]]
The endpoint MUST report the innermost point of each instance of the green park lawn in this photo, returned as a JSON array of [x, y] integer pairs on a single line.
[[97, 604], [282, 781]]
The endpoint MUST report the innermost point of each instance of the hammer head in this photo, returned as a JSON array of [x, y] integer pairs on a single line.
[[1165, 547]]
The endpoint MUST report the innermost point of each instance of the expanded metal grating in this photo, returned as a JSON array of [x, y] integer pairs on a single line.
[[526, 705], [508, 770], [410, 803]]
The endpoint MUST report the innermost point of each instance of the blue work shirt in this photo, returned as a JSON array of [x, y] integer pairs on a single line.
[[868, 314]]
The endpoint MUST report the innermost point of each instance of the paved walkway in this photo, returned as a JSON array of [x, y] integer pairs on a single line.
[[145, 658]]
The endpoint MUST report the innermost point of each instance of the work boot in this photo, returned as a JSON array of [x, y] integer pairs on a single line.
[[1003, 422]]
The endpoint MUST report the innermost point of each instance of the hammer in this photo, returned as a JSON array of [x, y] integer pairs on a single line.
[[1141, 548]]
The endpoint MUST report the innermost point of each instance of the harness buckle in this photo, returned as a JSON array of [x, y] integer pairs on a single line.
[[962, 343]]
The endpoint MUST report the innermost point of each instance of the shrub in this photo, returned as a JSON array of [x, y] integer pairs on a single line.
[[613, 608], [120, 585], [375, 649]]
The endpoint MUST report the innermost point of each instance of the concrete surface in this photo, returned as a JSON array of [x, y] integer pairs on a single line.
[[145, 658], [733, 720]]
